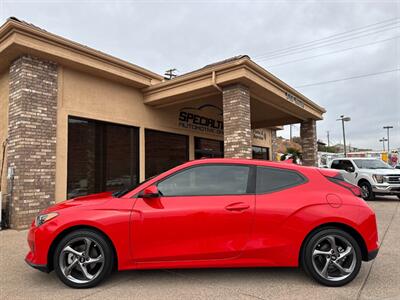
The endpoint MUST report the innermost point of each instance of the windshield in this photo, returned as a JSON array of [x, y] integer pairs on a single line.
[[126, 190], [371, 164]]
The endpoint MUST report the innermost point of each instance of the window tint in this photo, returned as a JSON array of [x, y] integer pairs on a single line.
[[345, 164], [260, 152], [272, 179], [207, 180], [335, 164], [164, 151], [101, 157]]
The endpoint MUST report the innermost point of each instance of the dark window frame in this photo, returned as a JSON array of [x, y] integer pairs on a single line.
[[187, 154], [96, 123], [286, 187], [261, 147], [214, 140], [251, 181]]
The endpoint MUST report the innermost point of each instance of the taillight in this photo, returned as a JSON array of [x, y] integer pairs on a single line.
[[347, 185]]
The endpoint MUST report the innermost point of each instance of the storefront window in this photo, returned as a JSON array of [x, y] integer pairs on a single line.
[[101, 156], [260, 153], [164, 151], [208, 148]]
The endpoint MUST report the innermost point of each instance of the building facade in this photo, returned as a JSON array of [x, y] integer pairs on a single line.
[[76, 121]]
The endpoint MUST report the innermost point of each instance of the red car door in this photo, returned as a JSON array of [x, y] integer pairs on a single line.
[[204, 212]]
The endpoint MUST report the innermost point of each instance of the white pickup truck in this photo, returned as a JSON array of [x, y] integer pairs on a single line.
[[373, 176]]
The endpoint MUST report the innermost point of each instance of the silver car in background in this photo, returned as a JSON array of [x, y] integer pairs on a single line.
[[372, 175]]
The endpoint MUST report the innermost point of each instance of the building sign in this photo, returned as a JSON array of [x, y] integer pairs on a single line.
[[206, 118], [259, 134], [294, 99]]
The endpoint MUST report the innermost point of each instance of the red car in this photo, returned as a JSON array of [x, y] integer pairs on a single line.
[[211, 213]]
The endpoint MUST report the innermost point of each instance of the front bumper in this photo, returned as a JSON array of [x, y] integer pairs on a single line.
[[389, 189], [39, 241], [42, 268], [372, 254]]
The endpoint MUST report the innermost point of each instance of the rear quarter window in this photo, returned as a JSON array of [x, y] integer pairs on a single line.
[[274, 179]]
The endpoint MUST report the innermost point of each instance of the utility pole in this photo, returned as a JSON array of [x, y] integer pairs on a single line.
[[387, 128], [327, 135], [170, 74], [344, 119], [383, 140], [290, 130]]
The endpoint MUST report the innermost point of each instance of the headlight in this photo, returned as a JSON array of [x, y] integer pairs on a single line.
[[40, 219], [378, 178]]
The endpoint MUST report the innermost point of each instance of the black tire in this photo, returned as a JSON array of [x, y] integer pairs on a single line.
[[98, 245], [366, 191], [313, 241]]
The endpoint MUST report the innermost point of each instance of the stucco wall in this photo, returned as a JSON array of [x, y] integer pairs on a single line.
[[4, 88], [87, 96]]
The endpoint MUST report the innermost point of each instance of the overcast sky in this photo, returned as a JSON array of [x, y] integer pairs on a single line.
[[186, 35]]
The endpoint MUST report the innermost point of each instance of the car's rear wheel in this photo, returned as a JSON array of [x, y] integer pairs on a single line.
[[366, 191], [332, 257], [83, 258]]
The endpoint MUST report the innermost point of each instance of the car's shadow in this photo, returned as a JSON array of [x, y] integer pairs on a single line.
[[223, 277], [385, 199]]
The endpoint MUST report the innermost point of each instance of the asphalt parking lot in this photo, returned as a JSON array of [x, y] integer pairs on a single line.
[[378, 279]]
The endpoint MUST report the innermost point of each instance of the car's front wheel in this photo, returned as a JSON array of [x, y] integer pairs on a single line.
[[332, 257], [83, 258]]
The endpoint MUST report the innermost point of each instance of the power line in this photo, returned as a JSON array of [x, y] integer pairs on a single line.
[[347, 78], [324, 45], [334, 36], [333, 52]]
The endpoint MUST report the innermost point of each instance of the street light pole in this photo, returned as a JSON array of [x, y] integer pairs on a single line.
[[383, 140], [388, 128], [344, 119]]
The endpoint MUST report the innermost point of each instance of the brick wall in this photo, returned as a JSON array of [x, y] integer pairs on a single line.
[[32, 137], [308, 134], [237, 128]]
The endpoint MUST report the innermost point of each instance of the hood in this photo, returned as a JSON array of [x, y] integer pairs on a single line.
[[381, 171], [89, 200]]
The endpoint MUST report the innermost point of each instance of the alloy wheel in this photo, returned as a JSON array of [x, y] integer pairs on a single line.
[[365, 191], [334, 258], [81, 260]]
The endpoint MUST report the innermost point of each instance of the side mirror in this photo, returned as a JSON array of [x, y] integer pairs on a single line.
[[150, 192], [349, 169]]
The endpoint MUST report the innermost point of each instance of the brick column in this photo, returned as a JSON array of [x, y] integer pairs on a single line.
[[308, 135], [237, 128], [32, 138], [274, 145]]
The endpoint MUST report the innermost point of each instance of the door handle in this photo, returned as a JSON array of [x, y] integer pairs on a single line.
[[237, 206]]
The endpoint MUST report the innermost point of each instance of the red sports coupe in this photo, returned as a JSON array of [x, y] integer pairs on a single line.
[[211, 213]]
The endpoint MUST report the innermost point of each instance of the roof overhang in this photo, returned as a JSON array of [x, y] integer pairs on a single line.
[[264, 87], [18, 38]]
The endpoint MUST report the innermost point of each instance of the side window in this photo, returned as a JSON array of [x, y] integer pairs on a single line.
[[207, 180], [273, 179], [347, 165], [335, 164]]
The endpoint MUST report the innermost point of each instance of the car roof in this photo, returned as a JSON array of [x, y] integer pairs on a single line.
[[257, 162]]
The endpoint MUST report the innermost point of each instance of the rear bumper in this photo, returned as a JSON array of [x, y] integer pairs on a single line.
[[372, 254]]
